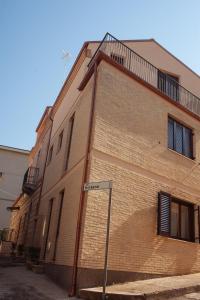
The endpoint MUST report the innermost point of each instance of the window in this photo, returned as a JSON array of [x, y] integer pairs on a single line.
[[58, 223], [50, 154], [175, 218], [38, 159], [180, 138], [69, 139], [60, 139], [25, 221], [48, 227], [169, 85], [118, 58]]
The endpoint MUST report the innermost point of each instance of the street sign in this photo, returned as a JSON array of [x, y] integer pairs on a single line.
[[102, 185]]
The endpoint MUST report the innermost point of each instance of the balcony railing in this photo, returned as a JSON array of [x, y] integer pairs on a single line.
[[143, 69], [30, 180]]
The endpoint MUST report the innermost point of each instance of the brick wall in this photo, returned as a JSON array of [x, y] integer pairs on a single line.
[[69, 180], [130, 148]]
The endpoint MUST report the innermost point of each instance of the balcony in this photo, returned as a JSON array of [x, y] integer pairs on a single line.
[[134, 63], [30, 180]]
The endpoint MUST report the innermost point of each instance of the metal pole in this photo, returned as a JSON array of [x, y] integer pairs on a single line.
[[107, 245]]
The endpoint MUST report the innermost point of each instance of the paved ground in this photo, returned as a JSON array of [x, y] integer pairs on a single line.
[[17, 283], [158, 288], [191, 296]]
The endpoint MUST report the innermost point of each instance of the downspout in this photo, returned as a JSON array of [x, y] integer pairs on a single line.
[[43, 175], [84, 179]]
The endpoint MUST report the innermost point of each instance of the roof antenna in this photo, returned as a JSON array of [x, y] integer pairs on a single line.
[[65, 56]]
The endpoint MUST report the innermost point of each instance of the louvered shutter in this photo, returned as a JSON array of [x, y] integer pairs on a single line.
[[197, 223], [164, 207]]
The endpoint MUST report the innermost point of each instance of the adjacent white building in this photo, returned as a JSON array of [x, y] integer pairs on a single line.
[[13, 165]]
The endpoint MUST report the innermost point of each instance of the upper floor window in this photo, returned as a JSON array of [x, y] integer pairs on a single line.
[[180, 138], [118, 58], [175, 218], [69, 139], [60, 139], [169, 85], [38, 158], [50, 154]]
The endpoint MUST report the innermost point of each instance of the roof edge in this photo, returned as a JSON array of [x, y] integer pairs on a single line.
[[43, 116], [171, 54], [13, 149]]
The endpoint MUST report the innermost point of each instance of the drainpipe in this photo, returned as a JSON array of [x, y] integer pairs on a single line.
[[43, 175], [84, 179]]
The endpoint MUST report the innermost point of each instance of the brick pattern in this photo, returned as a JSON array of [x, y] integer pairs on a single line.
[[69, 180], [130, 148]]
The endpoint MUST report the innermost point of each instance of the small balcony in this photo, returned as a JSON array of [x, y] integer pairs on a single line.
[[30, 180], [144, 70]]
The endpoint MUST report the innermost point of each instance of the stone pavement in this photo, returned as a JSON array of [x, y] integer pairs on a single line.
[[191, 296], [174, 287], [17, 283]]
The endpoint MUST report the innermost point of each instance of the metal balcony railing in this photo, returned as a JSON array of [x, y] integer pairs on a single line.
[[30, 180], [143, 69]]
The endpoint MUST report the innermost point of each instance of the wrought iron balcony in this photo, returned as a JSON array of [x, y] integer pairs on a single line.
[[30, 180], [134, 63]]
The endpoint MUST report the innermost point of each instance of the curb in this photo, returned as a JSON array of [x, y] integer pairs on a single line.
[[167, 294]]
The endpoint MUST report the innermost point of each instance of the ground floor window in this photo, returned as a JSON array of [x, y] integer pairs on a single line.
[[175, 217]]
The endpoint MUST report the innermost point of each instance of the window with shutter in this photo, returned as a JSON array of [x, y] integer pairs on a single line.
[[164, 214], [176, 218]]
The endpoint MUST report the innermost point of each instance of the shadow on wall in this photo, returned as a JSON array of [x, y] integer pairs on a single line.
[[135, 247]]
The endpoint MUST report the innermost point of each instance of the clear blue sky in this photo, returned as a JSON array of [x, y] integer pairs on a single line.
[[33, 34]]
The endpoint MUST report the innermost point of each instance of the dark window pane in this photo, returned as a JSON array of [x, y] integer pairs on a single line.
[[174, 219], [187, 142], [179, 138], [171, 134], [185, 233], [118, 58], [161, 81], [69, 139], [169, 85], [172, 88]]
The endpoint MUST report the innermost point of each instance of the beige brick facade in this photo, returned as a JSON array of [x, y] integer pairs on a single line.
[[130, 147], [134, 154]]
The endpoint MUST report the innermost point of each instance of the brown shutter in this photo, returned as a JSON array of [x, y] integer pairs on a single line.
[[164, 207]]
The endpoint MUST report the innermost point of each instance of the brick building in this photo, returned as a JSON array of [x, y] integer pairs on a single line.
[[129, 112]]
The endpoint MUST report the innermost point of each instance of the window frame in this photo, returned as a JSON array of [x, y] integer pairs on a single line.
[[167, 232], [168, 84], [50, 155], [59, 220], [49, 221], [118, 58], [69, 140], [60, 141], [184, 129], [191, 228]]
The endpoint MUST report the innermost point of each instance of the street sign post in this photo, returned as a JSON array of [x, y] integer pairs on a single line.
[[103, 185]]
